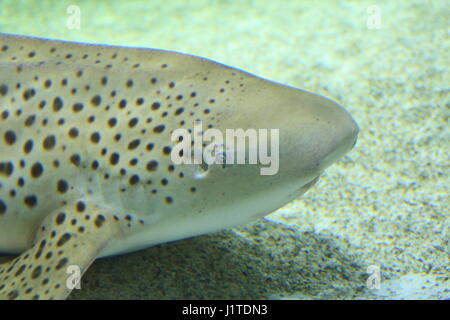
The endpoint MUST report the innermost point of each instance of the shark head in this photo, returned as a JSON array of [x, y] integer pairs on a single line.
[[286, 138], [255, 146]]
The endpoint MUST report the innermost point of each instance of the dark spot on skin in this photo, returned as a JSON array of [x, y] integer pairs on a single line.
[[30, 120], [29, 93], [13, 294], [159, 128], [134, 144], [5, 114], [77, 107], [122, 104], [73, 133], [3, 89], [156, 105], [30, 201], [167, 150], [114, 158], [81, 206], [60, 218], [36, 170], [169, 200], [6, 168], [75, 159], [36, 272], [28, 146], [61, 263], [95, 137], [10, 137], [63, 239], [150, 146], [62, 186], [133, 122], [57, 104], [99, 220], [112, 122], [40, 249], [152, 165], [96, 100], [49, 142], [134, 179], [3, 207], [20, 182], [21, 270], [94, 165]]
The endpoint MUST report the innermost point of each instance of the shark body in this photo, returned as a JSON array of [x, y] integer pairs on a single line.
[[85, 153]]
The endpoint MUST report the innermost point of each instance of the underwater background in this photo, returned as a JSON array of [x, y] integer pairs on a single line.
[[384, 206]]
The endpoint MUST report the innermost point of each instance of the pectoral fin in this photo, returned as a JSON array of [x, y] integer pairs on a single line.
[[71, 236]]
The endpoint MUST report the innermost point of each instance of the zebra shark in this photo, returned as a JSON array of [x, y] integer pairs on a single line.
[[86, 153]]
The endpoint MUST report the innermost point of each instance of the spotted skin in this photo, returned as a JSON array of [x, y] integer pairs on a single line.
[[89, 127]]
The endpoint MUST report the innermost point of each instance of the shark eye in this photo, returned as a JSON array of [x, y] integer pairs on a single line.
[[221, 154], [222, 159], [197, 170], [201, 170]]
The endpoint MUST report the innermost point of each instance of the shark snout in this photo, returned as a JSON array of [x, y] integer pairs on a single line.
[[339, 131], [315, 132], [332, 131]]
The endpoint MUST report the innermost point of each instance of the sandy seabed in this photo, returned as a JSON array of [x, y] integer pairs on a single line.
[[384, 205]]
